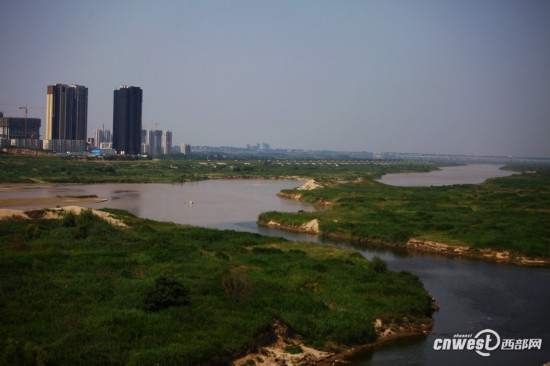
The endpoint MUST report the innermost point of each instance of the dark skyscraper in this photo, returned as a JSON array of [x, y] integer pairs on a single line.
[[127, 120], [66, 112]]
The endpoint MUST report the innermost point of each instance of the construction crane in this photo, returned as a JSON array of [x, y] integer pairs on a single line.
[[26, 108]]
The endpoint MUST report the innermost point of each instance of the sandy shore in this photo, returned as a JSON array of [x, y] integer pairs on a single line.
[[48, 201], [57, 213]]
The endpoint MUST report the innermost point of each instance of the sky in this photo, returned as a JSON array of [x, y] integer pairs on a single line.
[[424, 76]]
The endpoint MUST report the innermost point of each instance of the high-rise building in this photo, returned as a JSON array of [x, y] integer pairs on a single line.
[[127, 120], [167, 142], [102, 136], [156, 142], [66, 112], [185, 149]]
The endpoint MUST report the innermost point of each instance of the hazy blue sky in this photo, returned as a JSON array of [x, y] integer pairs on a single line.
[[423, 76]]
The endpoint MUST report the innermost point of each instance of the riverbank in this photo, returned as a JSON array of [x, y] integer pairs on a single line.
[[281, 346], [49, 201], [417, 245], [58, 213]]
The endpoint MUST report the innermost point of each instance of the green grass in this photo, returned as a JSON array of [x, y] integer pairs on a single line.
[[76, 297], [503, 213], [28, 169]]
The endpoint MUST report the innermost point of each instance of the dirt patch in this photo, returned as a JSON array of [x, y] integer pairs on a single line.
[[7, 214], [280, 346], [311, 227], [309, 185]]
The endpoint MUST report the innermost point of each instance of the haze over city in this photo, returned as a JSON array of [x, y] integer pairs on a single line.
[[458, 77]]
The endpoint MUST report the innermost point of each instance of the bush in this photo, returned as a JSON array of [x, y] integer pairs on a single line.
[[399, 236], [164, 294], [378, 265], [84, 222], [268, 251], [68, 220], [85, 218], [28, 353], [236, 285], [32, 231], [294, 349]]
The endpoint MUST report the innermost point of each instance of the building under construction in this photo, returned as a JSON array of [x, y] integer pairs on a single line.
[[19, 127]]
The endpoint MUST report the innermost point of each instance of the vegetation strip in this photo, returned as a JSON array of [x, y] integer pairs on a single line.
[[30, 169], [79, 290]]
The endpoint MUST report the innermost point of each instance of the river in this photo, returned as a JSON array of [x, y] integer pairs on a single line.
[[461, 174], [473, 295]]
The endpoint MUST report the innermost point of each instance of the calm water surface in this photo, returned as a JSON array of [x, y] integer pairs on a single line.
[[226, 204], [464, 174], [473, 295]]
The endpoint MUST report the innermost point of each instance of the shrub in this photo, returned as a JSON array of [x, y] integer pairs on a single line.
[[236, 285], [68, 220], [28, 353], [378, 265], [85, 218], [84, 222], [164, 294], [294, 349], [32, 231], [320, 267], [268, 251], [399, 236]]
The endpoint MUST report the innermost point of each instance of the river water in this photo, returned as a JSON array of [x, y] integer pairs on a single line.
[[473, 295], [462, 174], [223, 204]]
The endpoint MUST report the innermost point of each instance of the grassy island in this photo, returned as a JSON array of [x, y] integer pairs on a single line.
[[510, 213], [78, 290]]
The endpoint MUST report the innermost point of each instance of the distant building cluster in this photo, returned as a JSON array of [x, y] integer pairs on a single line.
[[67, 125], [156, 142], [259, 147], [64, 146], [103, 139]]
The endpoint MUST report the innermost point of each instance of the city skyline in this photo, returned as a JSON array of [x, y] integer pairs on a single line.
[[458, 77]]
